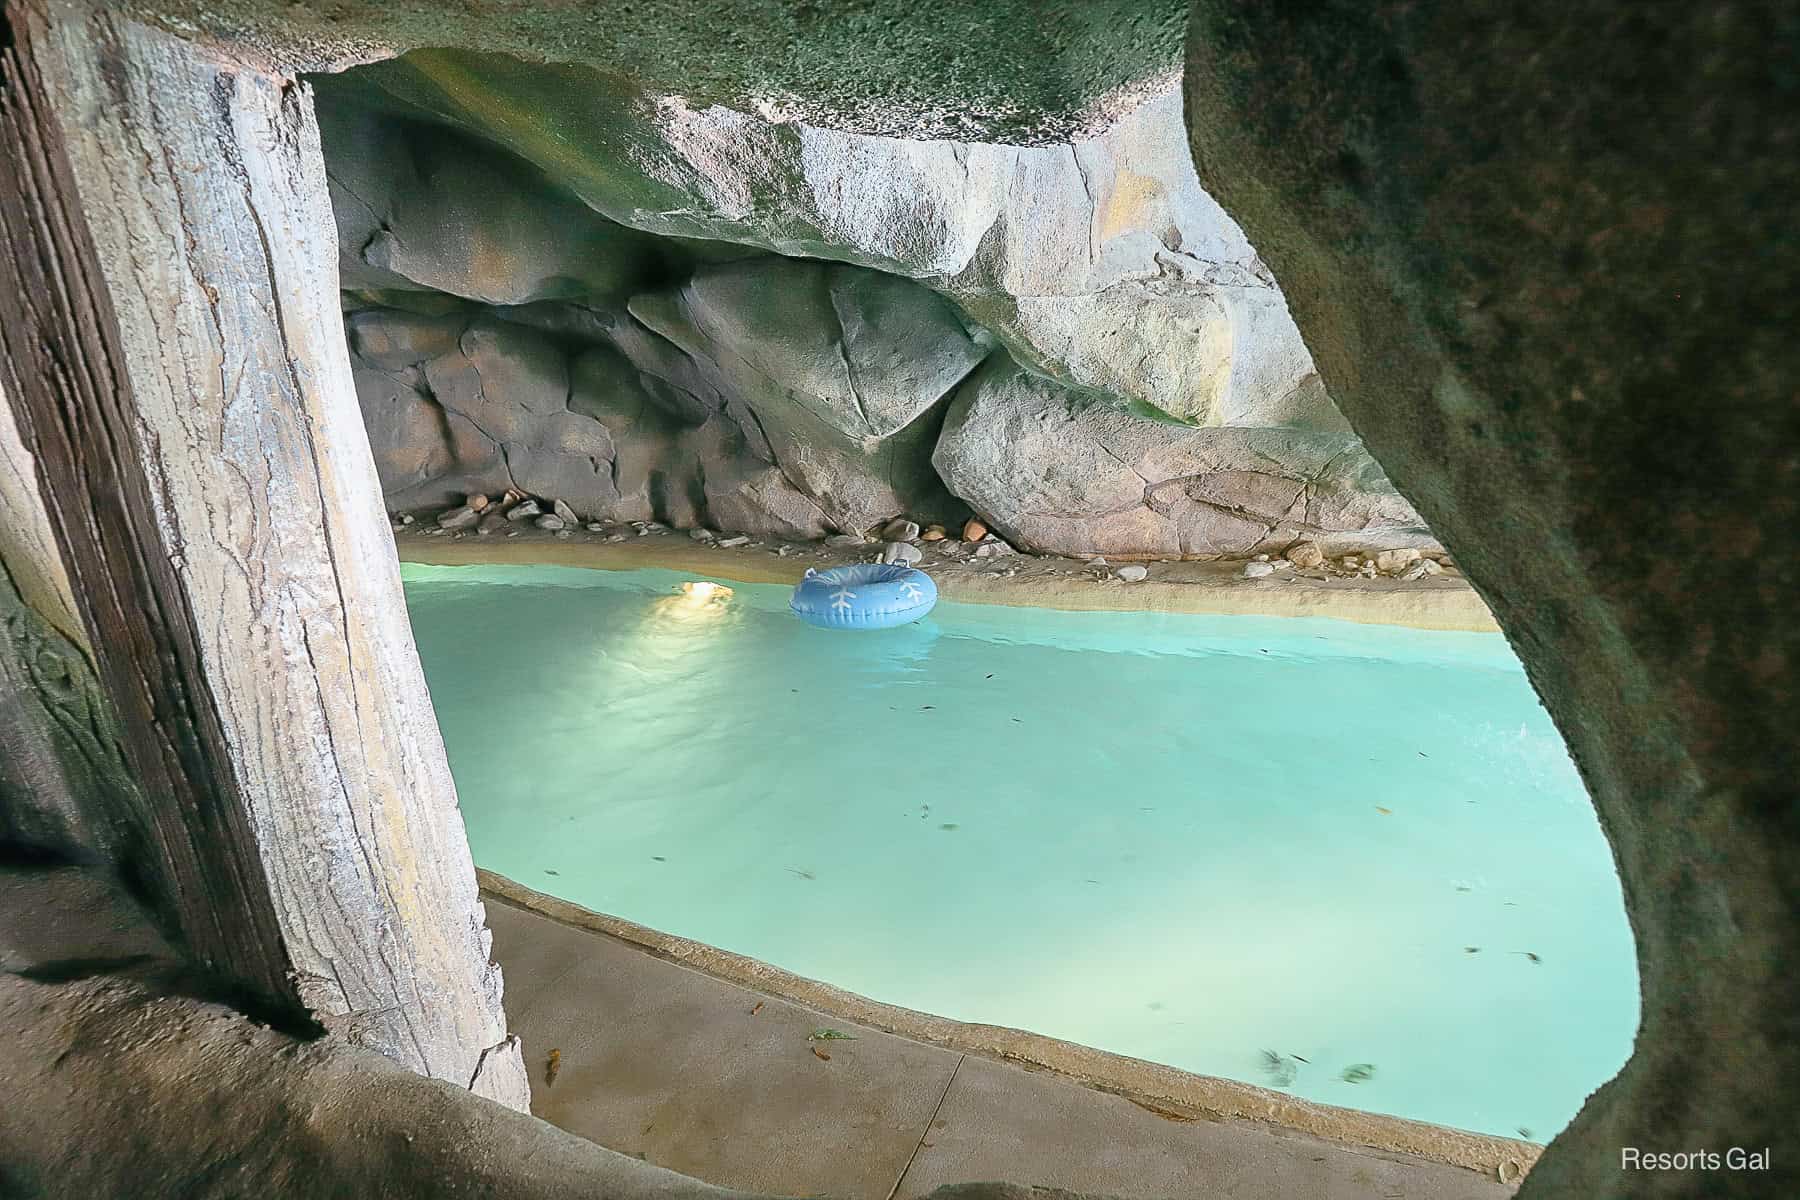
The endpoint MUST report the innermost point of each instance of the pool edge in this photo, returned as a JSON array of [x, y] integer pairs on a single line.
[[1153, 1084], [1439, 603]]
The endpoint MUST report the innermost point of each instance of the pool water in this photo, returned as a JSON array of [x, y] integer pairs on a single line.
[[1351, 862]]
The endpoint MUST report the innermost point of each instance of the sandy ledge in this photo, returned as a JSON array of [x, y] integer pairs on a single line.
[[1179, 1093], [1441, 602]]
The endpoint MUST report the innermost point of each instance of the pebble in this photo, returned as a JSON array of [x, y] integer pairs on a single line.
[[644, 532], [1390, 561], [1431, 566], [733, 542], [476, 502], [974, 530], [1351, 562], [1261, 558], [1133, 573], [655, 526], [458, 518], [1415, 570], [901, 530], [596, 527], [702, 535], [565, 533], [1257, 569], [549, 521], [1099, 560], [1305, 554], [567, 514], [845, 539], [523, 509], [406, 518], [784, 551], [901, 552], [615, 537], [933, 533]]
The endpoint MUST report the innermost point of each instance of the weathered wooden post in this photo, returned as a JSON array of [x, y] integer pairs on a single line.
[[171, 344]]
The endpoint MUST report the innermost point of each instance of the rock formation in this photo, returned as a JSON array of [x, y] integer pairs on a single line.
[[703, 317]]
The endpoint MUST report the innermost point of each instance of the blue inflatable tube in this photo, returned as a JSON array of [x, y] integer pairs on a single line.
[[864, 596]]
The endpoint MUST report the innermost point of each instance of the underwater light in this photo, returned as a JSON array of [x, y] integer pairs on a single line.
[[701, 590]]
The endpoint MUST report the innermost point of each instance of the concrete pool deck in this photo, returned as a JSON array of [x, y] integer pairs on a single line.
[[1445, 601], [719, 1077]]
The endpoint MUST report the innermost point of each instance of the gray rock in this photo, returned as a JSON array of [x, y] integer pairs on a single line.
[[1256, 570], [701, 535], [901, 552], [846, 540], [901, 530], [733, 542], [596, 527], [458, 518], [616, 537], [549, 521], [1133, 573], [1059, 474], [565, 512], [522, 510], [1414, 570], [1305, 554]]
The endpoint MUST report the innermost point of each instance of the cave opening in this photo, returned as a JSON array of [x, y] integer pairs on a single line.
[[594, 328]]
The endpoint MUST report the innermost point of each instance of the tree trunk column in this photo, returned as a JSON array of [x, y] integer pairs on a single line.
[[174, 346]]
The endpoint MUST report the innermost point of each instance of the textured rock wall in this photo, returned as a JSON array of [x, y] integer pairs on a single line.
[[653, 312], [1545, 256]]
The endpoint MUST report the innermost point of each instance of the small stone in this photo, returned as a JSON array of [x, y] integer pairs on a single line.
[[654, 526], [567, 514], [702, 535], [645, 532], [478, 502], [406, 518], [846, 540], [1099, 560], [733, 542], [491, 523], [784, 551], [1431, 566], [1256, 570], [549, 521], [974, 530], [565, 533], [617, 537], [1133, 573], [1367, 571], [900, 530], [1261, 558], [596, 527], [933, 533], [901, 552], [1305, 554], [458, 518], [1414, 570], [1389, 561], [1351, 562], [522, 510]]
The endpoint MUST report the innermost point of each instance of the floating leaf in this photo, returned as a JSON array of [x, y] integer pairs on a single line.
[[552, 1064], [757, 1009], [1525, 1132], [1386, 812], [1471, 949], [820, 1054], [1279, 1068], [830, 1035], [1358, 1073]]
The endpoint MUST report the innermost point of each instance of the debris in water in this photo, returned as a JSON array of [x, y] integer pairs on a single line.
[[1386, 812], [658, 858], [1307, 1061], [548, 871], [1358, 1073], [1471, 949], [1279, 1068], [757, 1009], [830, 1035], [552, 1064], [1528, 954], [952, 825], [802, 874], [1525, 1132], [820, 1054]]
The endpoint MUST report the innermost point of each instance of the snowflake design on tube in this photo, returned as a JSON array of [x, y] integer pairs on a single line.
[[911, 591], [840, 599]]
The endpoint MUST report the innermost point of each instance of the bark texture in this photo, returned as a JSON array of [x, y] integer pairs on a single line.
[[168, 312], [1544, 258]]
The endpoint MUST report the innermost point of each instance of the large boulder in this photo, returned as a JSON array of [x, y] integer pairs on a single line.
[[1058, 472], [1100, 262]]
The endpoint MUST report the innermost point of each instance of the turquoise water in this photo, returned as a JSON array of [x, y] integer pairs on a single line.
[[1253, 847]]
